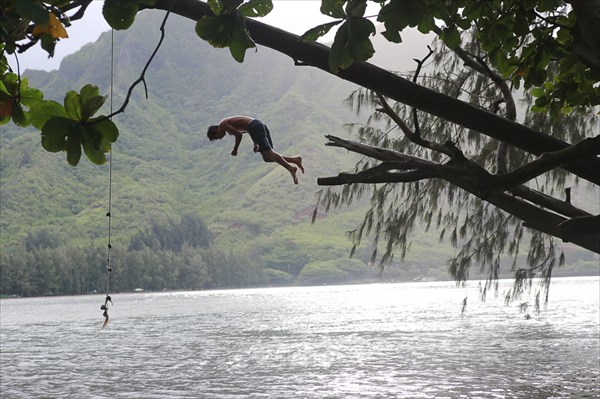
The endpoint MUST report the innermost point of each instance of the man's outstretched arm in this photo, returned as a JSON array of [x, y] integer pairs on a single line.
[[238, 140], [229, 128]]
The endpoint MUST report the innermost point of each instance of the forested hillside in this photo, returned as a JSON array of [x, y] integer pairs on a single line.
[[163, 164], [165, 172]]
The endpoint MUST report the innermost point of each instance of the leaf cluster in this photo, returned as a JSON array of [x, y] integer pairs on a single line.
[[227, 28], [120, 15], [34, 21], [352, 41], [521, 39], [70, 127]]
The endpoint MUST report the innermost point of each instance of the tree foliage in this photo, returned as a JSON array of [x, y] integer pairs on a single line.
[[165, 255], [466, 162], [173, 236]]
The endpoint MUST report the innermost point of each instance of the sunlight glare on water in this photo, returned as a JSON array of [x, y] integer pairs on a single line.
[[362, 341]]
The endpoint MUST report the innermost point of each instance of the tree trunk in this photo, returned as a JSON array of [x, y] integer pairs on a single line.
[[587, 32]]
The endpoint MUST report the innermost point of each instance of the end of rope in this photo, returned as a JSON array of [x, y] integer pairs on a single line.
[[105, 309], [105, 314]]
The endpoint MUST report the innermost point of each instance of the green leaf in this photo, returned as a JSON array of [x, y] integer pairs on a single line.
[[10, 83], [105, 128], [393, 16], [313, 34], [464, 23], [392, 35], [361, 50], [48, 44], [537, 92], [414, 11], [88, 91], [473, 10], [359, 45], [30, 9], [500, 61], [360, 28], [426, 24], [18, 116], [42, 111], [256, 8], [54, 133], [31, 96], [521, 25], [564, 36], [91, 106], [451, 37], [333, 8], [339, 56], [240, 40], [92, 151], [73, 105], [120, 14], [566, 65], [215, 6], [73, 146], [4, 96], [213, 30], [356, 8]]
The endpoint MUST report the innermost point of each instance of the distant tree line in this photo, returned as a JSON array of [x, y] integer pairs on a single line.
[[180, 255], [165, 256]]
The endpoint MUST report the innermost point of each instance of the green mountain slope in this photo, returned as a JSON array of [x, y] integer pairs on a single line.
[[163, 164]]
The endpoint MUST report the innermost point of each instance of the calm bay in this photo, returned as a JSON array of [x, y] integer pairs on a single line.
[[406, 340]]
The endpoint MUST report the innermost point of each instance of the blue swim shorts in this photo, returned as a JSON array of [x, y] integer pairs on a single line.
[[260, 135]]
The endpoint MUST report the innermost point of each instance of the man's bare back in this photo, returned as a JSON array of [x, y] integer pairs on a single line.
[[239, 122]]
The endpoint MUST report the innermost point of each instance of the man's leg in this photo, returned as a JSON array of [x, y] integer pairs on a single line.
[[271, 156], [296, 161]]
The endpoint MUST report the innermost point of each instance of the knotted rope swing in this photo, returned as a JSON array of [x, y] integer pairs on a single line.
[[109, 269]]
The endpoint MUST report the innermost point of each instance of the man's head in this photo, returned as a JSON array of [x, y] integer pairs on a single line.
[[214, 133]]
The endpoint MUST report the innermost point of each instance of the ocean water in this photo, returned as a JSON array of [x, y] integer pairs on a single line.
[[407, 340]]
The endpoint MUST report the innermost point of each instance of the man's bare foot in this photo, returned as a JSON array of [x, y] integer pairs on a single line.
[[298, 162], [293, 172]]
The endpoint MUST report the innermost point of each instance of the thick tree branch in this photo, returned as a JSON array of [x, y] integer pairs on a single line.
[[548, 161], [561, 207], [397, 159], [531, 214], [427, 169], [400, 89], [580, 228], [583, 231], [377, 174]]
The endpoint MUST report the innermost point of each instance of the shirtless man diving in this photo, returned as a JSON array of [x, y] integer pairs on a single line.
[[237, 125]]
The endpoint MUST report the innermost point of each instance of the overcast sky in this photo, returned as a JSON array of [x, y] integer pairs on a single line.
[[295, 16]]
